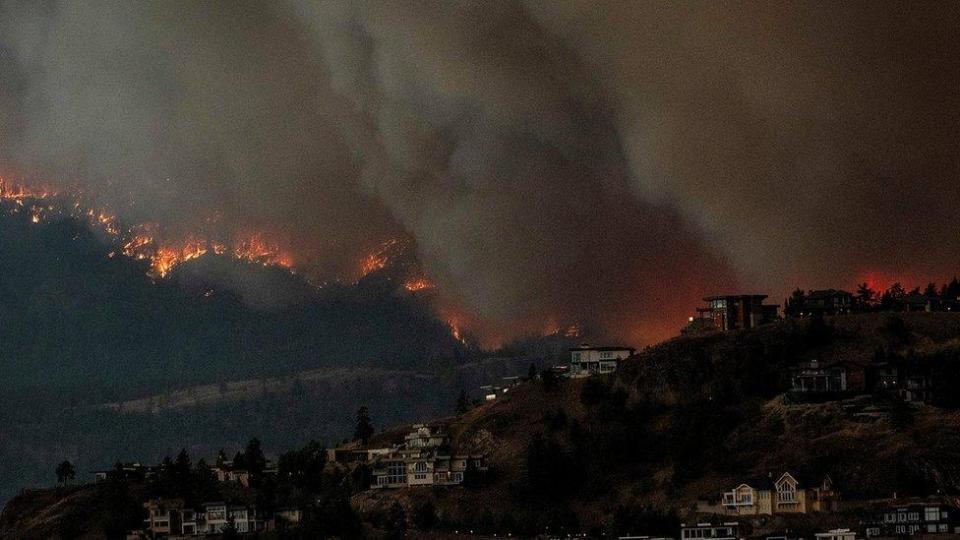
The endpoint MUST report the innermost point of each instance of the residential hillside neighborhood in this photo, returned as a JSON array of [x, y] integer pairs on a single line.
[[609, 418]]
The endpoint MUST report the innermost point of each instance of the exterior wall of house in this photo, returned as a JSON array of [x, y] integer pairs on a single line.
[[785, 497], [789, 498], [215, 518], [837, 534], [737, 312], [746, 501], [912, 519], [725, 531], [423, 459], [586, 361], [764, 502], [420, 472]]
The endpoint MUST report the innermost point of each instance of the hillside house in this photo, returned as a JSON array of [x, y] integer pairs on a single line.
[[189, 522], [163, 516], [906, 380], [288, 516], [816, 377], [491, 392], [912, 517], [723, 531], [586, 360], [127, 471], [736, 312], [827, 302], [226, 471], [924, 303], [426, 436], [216, 516], [169, 518], [424, 458], [784, 495], [408, 469], [836, 534]]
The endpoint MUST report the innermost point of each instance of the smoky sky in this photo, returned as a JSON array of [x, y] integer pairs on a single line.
[[604, 163]]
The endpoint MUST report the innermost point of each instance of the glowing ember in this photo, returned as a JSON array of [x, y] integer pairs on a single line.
[[418, 284]]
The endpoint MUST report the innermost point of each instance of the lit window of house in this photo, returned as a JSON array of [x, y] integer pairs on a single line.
[[931, 513]]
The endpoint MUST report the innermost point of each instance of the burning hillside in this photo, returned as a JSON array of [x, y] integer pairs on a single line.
[[165, 249], [143, 241]]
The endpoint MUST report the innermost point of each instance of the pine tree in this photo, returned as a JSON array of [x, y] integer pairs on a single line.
[[253, 457], [364, 429], [866, 296], [65, 472], [463, 403], [182, 464]]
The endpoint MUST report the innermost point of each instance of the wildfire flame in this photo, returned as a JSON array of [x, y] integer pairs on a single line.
[[455, 331], [147, 242], [141, 241], [378, 259]]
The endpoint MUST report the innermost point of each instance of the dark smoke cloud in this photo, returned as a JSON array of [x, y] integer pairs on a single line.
[[603, 163]]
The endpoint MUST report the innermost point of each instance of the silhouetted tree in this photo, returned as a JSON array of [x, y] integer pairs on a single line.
[[866, 296], [891, 298], [65, 472], [364, 429], [463, 402], [931, 290], [304, 467], [951, 291], [795, 305], [182, 464], [253, 457]]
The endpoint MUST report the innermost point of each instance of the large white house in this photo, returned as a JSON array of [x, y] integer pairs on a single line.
[[425, 458], [586, 360]]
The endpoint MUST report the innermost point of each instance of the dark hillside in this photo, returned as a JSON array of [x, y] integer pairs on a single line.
[[98, 328], [693, 416]]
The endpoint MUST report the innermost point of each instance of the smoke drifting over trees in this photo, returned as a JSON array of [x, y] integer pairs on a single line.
[[555, 162]]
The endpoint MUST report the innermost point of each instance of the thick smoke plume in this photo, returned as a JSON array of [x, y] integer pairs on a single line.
[[596, 163]]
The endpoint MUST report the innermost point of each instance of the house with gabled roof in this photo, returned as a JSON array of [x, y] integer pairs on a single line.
[[784, 494]]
